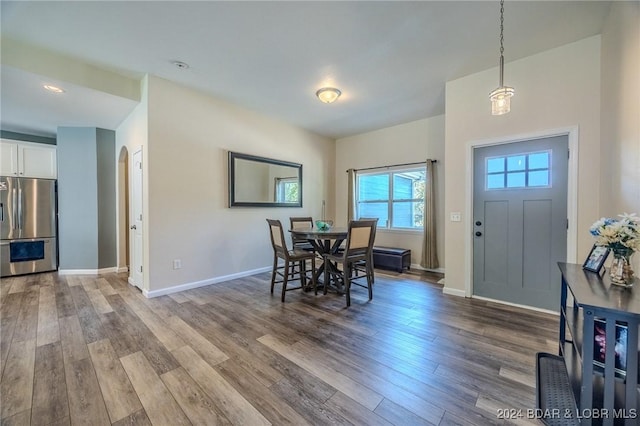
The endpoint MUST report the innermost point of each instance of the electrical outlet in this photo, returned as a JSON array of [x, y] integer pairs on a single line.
[[177, 263], [456, 217]]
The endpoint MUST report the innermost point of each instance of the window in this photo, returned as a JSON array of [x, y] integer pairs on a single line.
[[396, 198], [519, 171], [287, 190]]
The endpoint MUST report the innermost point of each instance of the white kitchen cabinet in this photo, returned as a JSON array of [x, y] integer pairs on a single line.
[[26, 159]]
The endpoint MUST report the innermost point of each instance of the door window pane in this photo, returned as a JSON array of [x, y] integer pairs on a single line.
[[516, 162], [495, 165], [495, 181], [539, 160], [515, 180], [539, 178]]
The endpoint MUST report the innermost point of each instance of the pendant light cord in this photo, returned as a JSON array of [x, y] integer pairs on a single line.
[[501, 27], [501, 43]]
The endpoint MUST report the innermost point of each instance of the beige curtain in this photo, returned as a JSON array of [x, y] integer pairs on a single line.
[[429, 250], [351, 195]]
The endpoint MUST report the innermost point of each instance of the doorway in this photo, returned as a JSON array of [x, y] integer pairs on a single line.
[[520, 220], [123, 210]]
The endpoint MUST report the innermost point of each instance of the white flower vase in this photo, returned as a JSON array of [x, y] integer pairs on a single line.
[[621, 273]]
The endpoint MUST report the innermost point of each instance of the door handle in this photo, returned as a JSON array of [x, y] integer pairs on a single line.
[[133, 227], [478, 234]]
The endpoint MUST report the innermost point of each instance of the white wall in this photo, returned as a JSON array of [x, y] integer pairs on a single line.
[[188, 217], [558, 88], [620, 148], [405, 143], [133, 134]]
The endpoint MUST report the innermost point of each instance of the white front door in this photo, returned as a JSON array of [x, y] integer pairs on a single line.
[[520, 221], [136, 272]]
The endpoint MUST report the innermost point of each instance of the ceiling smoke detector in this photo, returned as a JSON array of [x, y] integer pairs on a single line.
[[180, 64]]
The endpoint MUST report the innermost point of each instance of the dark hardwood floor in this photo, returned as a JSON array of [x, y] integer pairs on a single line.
[[91, 350]]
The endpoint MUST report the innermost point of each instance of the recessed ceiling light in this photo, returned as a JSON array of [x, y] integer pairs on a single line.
[[54, 89], [180, 64], [328, 94]]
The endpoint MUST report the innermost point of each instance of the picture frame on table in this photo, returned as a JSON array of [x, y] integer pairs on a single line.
[[596, 259]]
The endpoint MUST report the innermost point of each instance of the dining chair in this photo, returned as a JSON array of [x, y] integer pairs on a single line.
[[358, 247], [291, 258], [301, 223], [367, 266]]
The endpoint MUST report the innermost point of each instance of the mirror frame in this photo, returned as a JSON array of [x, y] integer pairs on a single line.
[[232, 180]]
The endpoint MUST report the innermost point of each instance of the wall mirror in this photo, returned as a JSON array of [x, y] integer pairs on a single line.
[[263, 182]]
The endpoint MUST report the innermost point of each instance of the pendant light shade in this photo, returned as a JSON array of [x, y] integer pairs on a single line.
[[501, 97]]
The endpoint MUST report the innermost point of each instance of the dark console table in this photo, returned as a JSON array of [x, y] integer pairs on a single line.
[[599, 344]]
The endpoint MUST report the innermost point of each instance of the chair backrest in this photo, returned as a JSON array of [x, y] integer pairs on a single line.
[[375, 228], [277, 237], [360, 236], [301, 222]]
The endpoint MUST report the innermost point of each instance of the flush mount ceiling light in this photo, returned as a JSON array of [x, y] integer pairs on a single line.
[[501, 97], [328, 94], [53, 89]]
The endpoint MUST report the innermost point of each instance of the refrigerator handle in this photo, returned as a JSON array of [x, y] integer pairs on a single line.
[[20, 208], [14, 213], [1, 212]]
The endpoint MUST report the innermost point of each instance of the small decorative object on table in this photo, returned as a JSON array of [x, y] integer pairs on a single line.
[[622, 236], [324, 225]]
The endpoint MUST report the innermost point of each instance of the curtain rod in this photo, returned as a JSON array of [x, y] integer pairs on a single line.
[[392, 165]]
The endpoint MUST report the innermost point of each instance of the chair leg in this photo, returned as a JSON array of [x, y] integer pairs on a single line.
[[370, 285], [303, 274], [273, 273], [326, 275], [370, 267], [347, 283], [285, 278], [313, 276]]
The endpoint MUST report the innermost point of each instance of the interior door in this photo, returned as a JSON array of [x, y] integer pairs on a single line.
[[136, 272], [520, 221]]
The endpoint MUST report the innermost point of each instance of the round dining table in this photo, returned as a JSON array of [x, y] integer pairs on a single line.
[[324, 242]]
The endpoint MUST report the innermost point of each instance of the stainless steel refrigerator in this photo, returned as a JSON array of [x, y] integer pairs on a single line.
[[28, 233]]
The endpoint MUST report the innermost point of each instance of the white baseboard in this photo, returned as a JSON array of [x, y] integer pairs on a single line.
[[202, 283], [121, 269], [453, 291], [87, 271], [502, 302], [420, 268]]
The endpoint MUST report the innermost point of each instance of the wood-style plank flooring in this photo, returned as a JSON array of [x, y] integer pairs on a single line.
[[91, 350]]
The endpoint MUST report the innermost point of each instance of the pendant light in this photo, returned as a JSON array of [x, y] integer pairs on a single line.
[[501, 97]]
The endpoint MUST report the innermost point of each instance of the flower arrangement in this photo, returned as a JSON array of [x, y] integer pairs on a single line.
[[618, 234]]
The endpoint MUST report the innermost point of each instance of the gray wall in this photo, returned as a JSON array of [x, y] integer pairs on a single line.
[[106, 168], [86, 198]]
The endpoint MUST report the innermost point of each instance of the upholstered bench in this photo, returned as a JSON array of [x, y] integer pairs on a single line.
[[391, 258]]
